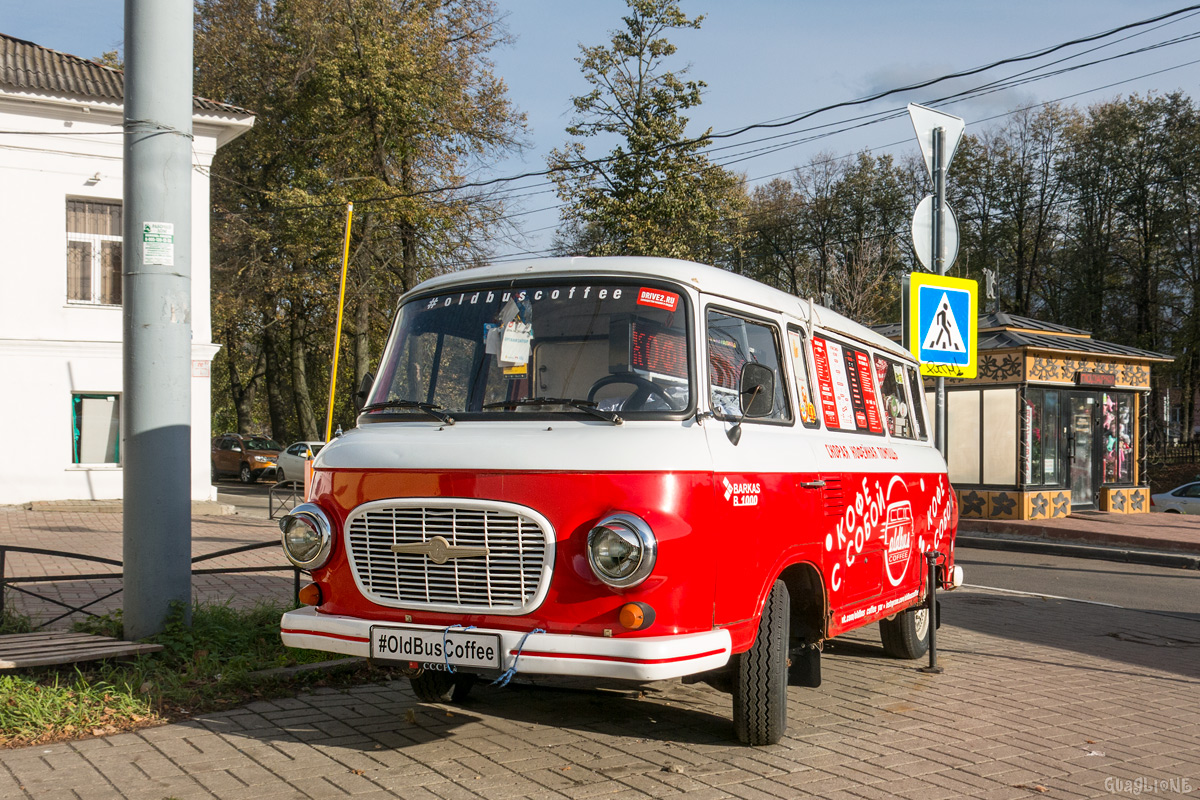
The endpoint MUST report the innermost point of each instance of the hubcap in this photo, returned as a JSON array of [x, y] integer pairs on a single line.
[[921, 622]]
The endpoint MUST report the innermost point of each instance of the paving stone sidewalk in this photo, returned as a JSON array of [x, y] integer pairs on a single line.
[[1040, 698]]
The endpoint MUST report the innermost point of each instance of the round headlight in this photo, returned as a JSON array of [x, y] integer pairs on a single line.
[[622, 550], [307, 536]]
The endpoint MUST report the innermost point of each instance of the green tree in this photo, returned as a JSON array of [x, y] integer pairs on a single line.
[[655, 193], [380, 102]]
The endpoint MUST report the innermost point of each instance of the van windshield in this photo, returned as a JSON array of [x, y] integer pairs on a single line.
[[578, 347]]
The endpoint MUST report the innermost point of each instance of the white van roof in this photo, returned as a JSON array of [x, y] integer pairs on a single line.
[[710, 280]]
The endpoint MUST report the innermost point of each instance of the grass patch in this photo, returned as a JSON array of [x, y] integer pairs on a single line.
[[205, 666]]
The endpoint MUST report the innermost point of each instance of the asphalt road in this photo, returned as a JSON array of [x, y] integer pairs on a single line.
[[1131, 586]]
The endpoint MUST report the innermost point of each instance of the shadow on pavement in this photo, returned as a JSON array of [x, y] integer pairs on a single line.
[[1156, 642]]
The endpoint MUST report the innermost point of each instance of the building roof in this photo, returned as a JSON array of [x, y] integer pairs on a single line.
[[29, 67], [1000, 331]]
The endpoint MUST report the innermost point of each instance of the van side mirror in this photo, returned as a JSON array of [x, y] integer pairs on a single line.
[[756, 390], [364, 389]]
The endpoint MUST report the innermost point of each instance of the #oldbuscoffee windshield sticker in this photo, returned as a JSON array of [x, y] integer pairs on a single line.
[[846, 387]]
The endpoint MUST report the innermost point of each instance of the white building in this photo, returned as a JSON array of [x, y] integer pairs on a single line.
[[60, 276]]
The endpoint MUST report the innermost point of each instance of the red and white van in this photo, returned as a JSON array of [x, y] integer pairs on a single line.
[[626, 468]]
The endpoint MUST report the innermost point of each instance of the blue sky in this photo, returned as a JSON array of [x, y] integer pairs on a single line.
[[770, 59]]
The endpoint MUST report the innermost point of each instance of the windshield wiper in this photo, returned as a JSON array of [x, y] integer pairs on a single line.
[[431, 409], [587, 406]]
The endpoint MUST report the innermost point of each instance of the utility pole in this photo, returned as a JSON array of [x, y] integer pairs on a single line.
[[157, 313]]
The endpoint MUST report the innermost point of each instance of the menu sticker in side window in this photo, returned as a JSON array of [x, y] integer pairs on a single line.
[[841, 386], [808, 410], [658, 299], [874, 421], [825, 383]]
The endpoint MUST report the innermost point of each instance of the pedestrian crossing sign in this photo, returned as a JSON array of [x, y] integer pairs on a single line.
[[943, 320]]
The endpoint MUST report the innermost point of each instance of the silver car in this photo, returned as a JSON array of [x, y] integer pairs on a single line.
[[1180, 500], [291, 460]]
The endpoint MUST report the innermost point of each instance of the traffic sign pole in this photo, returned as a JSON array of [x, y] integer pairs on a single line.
[[939, 261]]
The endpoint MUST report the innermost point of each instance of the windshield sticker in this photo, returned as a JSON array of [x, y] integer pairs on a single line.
[[524, 297], [658, 299], [514, 343]]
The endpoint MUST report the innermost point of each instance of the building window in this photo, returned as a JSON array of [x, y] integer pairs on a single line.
[[95, 429], [94, 252]]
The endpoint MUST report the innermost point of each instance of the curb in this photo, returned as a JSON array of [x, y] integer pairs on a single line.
[[1153, 558]]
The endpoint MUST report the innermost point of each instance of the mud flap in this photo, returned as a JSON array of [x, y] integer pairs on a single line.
[[804, 666]]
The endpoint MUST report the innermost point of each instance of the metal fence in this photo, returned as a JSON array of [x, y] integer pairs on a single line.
[[1183, 453], [18, 584]]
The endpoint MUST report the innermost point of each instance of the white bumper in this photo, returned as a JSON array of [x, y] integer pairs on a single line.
[[647, 658]]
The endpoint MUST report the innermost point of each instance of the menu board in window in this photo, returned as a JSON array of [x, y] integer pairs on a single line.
[[846, 386]]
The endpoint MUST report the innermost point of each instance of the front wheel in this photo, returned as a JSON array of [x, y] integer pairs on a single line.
[[245, 475], [906, 635], [761, 679]]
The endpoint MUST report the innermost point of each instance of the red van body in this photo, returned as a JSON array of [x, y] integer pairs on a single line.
[[625, 468]]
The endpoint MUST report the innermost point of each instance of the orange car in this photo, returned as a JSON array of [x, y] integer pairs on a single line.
[[247, 457]]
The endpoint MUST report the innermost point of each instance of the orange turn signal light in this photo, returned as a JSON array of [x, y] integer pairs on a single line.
[[310, 595], [636, 616]]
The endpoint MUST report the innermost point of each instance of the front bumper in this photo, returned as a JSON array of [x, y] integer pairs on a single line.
[[646, 658]]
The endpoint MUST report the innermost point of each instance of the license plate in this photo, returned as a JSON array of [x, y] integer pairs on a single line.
[[459, 648]]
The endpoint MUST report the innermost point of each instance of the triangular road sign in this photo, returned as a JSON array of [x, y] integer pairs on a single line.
[[924, 121], [944, 334]]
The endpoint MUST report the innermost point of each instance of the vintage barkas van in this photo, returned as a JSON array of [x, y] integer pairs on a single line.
[[626, 468]]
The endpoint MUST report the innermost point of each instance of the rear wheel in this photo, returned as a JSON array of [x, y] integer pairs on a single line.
[[279, 476], [906, 635], [761, 679], [442, 687]]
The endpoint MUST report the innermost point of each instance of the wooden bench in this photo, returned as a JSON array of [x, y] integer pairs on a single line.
[[63, 647]]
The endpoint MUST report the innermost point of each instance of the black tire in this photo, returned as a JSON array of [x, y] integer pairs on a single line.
[[442, 687], [761, 680], [906, 635], [245, 475], [279, 476], [214, 474]]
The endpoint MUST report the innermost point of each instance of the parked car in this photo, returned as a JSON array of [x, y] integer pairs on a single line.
[[246, 457], [1180, 500], [291, 460]]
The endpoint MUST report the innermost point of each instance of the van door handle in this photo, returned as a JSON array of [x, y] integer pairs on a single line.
[[812, 484]]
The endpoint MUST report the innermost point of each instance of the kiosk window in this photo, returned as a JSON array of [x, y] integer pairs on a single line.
[[732, 342]]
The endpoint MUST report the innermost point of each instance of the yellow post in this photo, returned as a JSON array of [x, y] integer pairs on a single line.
[[337, 339]]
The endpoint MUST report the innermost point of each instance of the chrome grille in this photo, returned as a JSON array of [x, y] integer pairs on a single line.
[[511, 579]]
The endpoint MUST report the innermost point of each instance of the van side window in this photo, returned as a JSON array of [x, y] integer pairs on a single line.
[[807, 410], [732, 342], [916, 390], [896, 408], [846, 385]]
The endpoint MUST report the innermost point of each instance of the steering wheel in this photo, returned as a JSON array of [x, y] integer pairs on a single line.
[[646, 388]]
